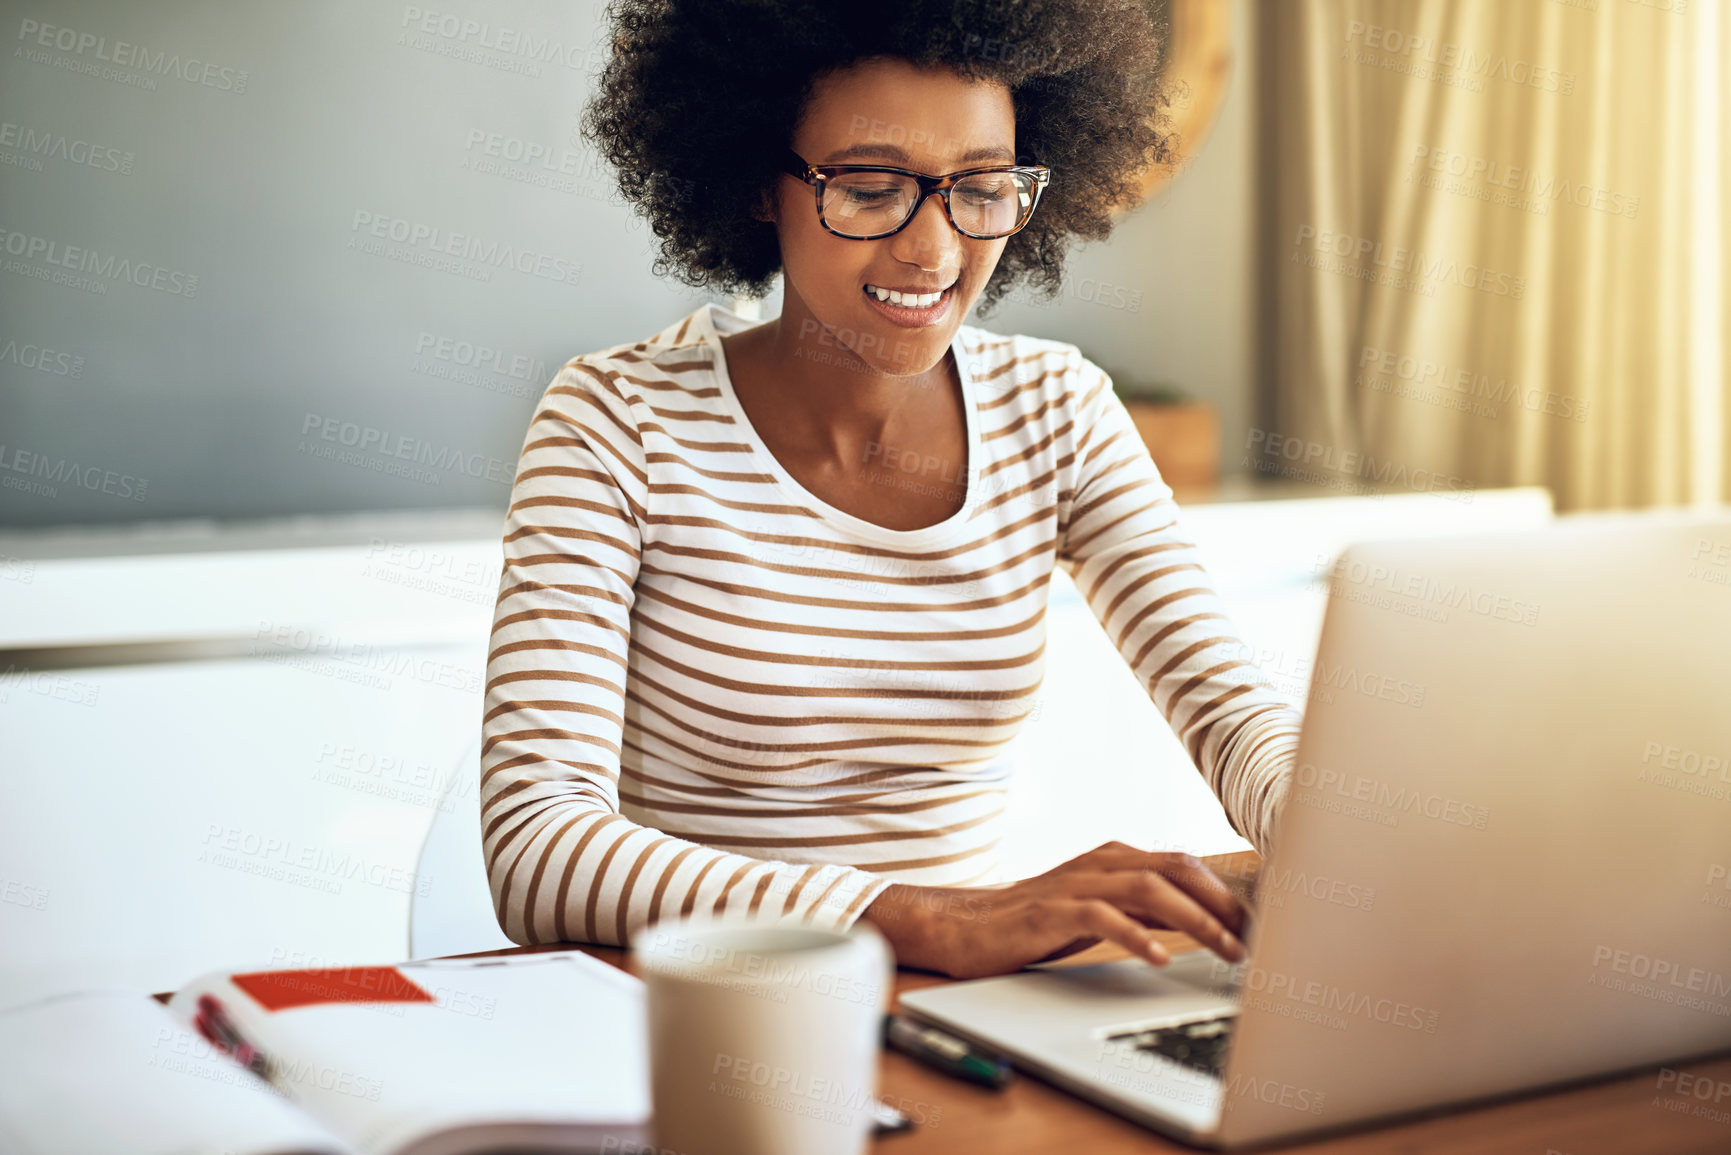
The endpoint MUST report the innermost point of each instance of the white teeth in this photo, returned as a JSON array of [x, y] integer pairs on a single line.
[[906, 300]]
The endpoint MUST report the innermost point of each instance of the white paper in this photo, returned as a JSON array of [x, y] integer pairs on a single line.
[[544, 1051], [113, 1073]]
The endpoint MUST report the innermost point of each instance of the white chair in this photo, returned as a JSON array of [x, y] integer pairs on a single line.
[[455, 916]]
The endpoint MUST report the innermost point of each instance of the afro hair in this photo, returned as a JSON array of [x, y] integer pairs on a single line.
[[699, 99]]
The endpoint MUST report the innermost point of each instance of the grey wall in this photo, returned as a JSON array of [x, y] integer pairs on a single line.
[[196, 312], [1169, 296]]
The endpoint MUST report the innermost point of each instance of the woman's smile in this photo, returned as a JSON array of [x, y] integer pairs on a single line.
[[911, 310]]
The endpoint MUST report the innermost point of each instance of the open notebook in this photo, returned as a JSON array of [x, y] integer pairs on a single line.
[[540, 1052]]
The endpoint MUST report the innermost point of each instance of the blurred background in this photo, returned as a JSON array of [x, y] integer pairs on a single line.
[[280, 286]]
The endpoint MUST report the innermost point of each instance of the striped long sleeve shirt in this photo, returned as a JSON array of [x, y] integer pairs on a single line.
[[709, 691]]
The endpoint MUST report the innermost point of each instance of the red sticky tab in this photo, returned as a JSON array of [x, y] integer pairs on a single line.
[[279, 990]]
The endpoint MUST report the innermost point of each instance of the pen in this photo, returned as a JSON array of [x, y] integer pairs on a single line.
[[213, 1023], [947, 1053]]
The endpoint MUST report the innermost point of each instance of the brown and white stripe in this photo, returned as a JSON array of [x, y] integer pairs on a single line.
[[709, 691]]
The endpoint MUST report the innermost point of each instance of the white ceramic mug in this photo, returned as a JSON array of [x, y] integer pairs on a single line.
[[763, 1038]]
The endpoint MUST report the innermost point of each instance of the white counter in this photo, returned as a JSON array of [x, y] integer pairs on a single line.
[[224, 746]]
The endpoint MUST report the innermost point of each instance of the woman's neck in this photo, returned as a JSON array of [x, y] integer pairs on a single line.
[[815, 384]]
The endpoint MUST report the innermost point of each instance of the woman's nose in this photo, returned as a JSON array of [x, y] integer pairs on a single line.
[[929, 241]]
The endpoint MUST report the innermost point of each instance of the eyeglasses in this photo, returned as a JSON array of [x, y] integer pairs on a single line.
[[863, 202]]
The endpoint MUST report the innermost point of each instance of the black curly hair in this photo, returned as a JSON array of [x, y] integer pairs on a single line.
[[700, 97]]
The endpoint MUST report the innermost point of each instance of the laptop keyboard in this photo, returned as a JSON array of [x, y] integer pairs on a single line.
[[1200, 1045]]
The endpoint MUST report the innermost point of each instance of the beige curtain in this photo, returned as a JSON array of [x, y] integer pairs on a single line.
[[1495, 246]]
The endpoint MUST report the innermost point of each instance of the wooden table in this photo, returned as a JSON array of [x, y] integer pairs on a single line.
[[1623, 1115], [1628, 1115]]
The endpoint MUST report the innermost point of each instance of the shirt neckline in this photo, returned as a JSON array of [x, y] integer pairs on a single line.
[[715, 320]]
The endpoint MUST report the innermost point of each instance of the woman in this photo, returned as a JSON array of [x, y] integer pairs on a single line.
[[740, 664]]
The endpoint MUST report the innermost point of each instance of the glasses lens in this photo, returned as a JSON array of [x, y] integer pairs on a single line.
[[866, 203], [992, 203]]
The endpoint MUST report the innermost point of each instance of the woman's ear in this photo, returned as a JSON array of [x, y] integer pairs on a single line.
[[765, 207]]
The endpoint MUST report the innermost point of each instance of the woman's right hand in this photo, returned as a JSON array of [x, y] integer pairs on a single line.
[[1113, 893]]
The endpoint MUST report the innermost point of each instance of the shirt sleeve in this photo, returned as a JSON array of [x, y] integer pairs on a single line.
[[563, 863], [1122, 543]]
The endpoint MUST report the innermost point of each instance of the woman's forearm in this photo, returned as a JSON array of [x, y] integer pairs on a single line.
[[909, 919]]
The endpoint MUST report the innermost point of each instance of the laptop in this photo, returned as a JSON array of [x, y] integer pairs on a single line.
[[1493, 877]]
